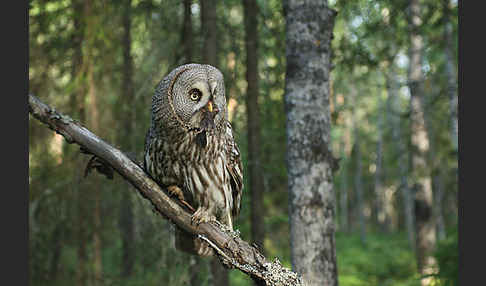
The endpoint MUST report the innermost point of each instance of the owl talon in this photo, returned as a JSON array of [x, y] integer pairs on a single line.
[[202, 215], [176, 191]]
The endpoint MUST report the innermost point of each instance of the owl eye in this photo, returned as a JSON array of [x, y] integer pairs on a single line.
[[195, 94]]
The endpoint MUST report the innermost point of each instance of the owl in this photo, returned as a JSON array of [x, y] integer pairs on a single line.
[[190, 149]]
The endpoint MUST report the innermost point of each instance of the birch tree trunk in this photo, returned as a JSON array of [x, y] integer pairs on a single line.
[[309, 28], [425, 239]]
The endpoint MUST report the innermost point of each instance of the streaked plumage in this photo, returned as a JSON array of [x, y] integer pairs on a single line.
[[190, 145]]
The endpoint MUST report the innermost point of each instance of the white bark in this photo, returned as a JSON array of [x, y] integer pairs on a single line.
[[309, 159]]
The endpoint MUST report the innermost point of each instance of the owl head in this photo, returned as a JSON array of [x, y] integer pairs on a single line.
[[191, 98]]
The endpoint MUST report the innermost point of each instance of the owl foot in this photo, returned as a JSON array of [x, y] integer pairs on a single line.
[[202, 215], [176, 191]]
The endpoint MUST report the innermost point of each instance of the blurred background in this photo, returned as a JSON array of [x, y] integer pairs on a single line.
[[99, 62]]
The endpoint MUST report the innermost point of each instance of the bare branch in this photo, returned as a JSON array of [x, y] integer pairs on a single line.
[[231, 249]]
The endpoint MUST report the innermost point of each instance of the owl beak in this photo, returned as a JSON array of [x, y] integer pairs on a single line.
[[210, 106]]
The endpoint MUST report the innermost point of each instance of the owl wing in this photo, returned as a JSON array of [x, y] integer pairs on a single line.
[[152, 162], [235, 169], [147, 158]]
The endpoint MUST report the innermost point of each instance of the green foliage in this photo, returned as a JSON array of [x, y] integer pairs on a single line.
[[447, 256], [385, 260]]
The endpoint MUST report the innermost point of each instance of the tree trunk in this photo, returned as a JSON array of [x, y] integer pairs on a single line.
[[451, 76], [438, 186], [219, 273], [209, 32], [450, 72], [187, 38], [77, 97], [98, 263], [425, 240], [381, 216], [394, 110], [77, 106], [127, 94], [194, 269], [309, 28], [82, 239], [57, 238], [436, 166], [93, 120], [343, 195], [253, 123], [358, 178], [344, 167]]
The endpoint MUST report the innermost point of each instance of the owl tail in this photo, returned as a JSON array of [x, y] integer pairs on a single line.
[[189, 243]]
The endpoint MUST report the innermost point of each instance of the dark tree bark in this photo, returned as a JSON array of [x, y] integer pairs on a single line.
[[209, 32], [253, 122], [425, 228], [230, 248], [93, 119], [77, 106], [127, 94], [309, 28], [187, 37], [77, 97]]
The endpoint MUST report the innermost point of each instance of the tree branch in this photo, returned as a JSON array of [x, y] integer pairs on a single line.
[[230, 248]]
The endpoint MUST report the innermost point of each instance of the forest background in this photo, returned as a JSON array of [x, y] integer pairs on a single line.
[[99, 61]]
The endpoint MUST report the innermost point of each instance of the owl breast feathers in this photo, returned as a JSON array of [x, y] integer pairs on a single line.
[[190, 148]]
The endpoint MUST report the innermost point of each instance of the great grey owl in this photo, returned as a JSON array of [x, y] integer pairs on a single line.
[[190, 150]]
